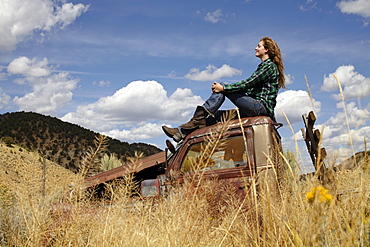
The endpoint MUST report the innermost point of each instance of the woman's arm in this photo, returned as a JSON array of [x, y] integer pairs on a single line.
[[264, 72]]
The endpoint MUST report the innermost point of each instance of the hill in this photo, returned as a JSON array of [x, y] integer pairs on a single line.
[[25, 173], [61, 142], [356, 160]]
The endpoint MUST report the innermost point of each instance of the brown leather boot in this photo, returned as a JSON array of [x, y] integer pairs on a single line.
[[174, 133], [198, 120]]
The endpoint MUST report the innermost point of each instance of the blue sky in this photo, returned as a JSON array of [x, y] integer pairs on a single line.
[[124, 68]]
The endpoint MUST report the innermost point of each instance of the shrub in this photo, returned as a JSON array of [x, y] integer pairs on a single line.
[[9, 141]]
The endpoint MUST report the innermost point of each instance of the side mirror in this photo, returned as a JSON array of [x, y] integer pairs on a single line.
[[170, 146]]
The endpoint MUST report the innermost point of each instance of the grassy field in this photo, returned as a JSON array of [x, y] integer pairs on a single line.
[[304, 214]]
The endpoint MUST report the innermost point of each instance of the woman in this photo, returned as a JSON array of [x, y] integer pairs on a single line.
[[254, 96]]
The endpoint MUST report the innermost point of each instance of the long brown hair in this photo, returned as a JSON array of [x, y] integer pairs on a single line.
[[275, 55]]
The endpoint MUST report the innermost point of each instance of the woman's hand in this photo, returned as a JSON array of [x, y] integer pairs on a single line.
[[217, 87]]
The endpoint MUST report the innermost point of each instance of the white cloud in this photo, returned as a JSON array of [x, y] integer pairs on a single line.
[[289, 79], [348, 142], [357, 7], [344, 139], [346, 132], [141, 132], [354, 85], [101, 83], [66, 14], [212, 73], [20, 18], [214, 17], [172, 74], [2, 76], [347, 129], [137, 103], [50, 92], [294, 104], [29, 67], [4, 98], [355, 117], [308, 5]]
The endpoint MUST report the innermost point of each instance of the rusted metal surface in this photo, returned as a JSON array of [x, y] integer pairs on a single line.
[[121, 171]]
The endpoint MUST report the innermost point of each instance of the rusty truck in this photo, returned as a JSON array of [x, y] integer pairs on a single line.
[[233, 151]]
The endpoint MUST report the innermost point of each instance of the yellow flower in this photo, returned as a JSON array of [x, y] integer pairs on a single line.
[[319, 194], [366, 220]]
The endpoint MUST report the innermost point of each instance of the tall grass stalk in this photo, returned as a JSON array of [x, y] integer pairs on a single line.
[[309, 92], [345, 113], [93, 155], [298, 154]]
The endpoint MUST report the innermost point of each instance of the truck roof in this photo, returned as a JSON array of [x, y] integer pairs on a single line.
[[125, 169], [233, 124]]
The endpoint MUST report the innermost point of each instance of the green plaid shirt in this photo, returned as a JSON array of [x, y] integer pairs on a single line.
[[262, 85]]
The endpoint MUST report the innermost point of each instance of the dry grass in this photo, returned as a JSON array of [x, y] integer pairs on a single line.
[[213, 216]]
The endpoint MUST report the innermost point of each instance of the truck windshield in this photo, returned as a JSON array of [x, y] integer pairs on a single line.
[[231, 152]]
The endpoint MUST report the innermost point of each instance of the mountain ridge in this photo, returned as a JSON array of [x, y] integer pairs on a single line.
[[61, 142]]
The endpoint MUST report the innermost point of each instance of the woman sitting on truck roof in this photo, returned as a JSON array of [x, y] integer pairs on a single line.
[[254, 96]]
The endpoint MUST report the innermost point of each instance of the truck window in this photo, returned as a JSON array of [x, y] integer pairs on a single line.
[[230, 153]]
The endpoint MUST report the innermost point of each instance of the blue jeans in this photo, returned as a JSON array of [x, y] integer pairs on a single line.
[[248, 107]]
